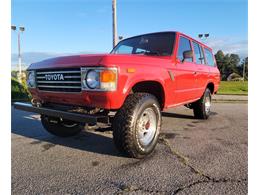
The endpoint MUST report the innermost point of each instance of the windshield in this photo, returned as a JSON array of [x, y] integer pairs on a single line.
[[159, 44]]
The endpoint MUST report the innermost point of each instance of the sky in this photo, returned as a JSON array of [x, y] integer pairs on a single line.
[[68, 27]]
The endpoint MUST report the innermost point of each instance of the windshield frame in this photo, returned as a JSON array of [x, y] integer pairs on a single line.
[[167, 32]]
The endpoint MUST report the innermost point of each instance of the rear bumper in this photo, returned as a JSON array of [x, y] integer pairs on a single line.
[[62, 114]]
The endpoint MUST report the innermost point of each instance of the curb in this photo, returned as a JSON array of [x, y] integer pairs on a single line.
[[229, 98], [230, 101]]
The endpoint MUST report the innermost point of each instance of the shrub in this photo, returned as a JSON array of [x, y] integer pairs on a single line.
[[19, 91]]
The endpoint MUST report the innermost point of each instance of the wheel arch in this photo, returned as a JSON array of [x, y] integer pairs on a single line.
[[211, 87], [150, 86]]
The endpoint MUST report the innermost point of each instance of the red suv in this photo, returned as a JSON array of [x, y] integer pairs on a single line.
[[142, 76]]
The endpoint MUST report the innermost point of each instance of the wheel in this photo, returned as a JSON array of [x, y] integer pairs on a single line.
[[137, 124], [61, 128], [201, 108]]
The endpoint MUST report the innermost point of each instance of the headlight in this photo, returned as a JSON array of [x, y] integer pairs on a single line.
[[92, 79], [31, 79], [99, 79]]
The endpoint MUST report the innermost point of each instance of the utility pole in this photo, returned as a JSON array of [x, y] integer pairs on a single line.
[[244, 70], [114, 22], [21, 29]]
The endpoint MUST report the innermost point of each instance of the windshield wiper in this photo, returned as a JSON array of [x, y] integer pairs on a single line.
[[151, 53]]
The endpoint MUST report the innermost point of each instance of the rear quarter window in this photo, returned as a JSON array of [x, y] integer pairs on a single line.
[[209, 57]]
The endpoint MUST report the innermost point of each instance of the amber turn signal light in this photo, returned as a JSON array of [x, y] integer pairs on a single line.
[[131, 70], [107, 76]]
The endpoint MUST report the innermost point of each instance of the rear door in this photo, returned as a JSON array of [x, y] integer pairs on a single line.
[[202, 70], [184, 73], [213, 75]]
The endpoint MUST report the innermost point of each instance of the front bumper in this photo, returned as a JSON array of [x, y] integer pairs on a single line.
[[111, 100], [62, 114]]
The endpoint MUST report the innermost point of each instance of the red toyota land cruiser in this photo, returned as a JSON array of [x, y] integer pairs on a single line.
[[142, 76]]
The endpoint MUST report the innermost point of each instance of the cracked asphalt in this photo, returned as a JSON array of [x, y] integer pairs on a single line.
[[192, 157]]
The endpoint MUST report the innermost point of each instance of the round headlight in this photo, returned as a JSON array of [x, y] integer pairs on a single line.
[[92, 79], [31, 79]]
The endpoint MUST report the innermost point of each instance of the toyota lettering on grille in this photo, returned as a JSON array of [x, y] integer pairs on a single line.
[[54, 77]]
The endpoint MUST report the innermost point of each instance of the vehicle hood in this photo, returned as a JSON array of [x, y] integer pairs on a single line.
[[96, 60], [69, 61]]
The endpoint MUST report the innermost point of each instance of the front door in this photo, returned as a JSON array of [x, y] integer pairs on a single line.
[[185, 74]]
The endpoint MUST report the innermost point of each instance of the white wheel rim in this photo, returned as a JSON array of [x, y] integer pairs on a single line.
[[207, 104], [146, 126]]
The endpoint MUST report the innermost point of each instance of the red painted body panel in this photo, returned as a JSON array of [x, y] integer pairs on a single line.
[[182, 87]]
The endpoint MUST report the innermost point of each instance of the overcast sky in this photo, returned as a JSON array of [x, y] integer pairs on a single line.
[[65, 27]]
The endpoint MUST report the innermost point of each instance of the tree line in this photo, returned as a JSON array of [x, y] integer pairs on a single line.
[[231, 65]]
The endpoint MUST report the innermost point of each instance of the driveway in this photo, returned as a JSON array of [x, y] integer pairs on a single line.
[[192, 157]]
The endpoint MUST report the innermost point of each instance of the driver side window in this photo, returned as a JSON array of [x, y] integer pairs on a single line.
[[184, 45]]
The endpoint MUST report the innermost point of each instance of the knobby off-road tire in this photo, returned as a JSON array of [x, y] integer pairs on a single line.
[[137, 124], [61, 128], [201, 108]]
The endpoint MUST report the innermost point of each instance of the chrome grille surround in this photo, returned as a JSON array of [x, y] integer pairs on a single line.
[[59, 80]]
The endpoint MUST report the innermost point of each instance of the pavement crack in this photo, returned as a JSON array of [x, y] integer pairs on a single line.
[[188, 186], [206, 178], [211, 180], [47, 146], [226, 180], [181, 158], [128, 188]]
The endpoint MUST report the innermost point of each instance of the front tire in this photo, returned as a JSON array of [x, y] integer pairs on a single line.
[[61, 128], [137, 124], [201, 108]]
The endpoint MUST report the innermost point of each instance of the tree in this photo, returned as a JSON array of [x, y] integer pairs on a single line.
[[219, 56], [234, 63], [227, 64], [223, 63], [227, 70]]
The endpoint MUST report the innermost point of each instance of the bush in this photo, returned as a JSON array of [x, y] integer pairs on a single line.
[[234, 77], [19, 91]]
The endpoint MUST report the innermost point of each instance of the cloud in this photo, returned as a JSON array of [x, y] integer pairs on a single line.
[[229, 45], [31, 57]]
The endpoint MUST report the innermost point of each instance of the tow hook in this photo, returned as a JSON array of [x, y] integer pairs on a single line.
[[36, 103]]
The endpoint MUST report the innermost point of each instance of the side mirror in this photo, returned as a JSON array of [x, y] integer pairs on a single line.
[[187, 54]]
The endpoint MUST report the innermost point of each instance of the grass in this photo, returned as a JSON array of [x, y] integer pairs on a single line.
[[233, 88], [19, 92]]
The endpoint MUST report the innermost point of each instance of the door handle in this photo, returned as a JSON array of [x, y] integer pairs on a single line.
[[195, 72]]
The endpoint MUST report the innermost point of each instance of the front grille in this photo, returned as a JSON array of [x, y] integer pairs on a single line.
[[59, 80]]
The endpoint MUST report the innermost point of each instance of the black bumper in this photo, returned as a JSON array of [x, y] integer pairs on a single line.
[[62, 114]]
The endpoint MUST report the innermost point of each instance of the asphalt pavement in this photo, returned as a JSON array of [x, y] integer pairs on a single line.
[[192, 157]]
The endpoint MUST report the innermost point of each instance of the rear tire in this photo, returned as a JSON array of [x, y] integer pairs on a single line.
[[137, 124], [61, 128], [201, 108]]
